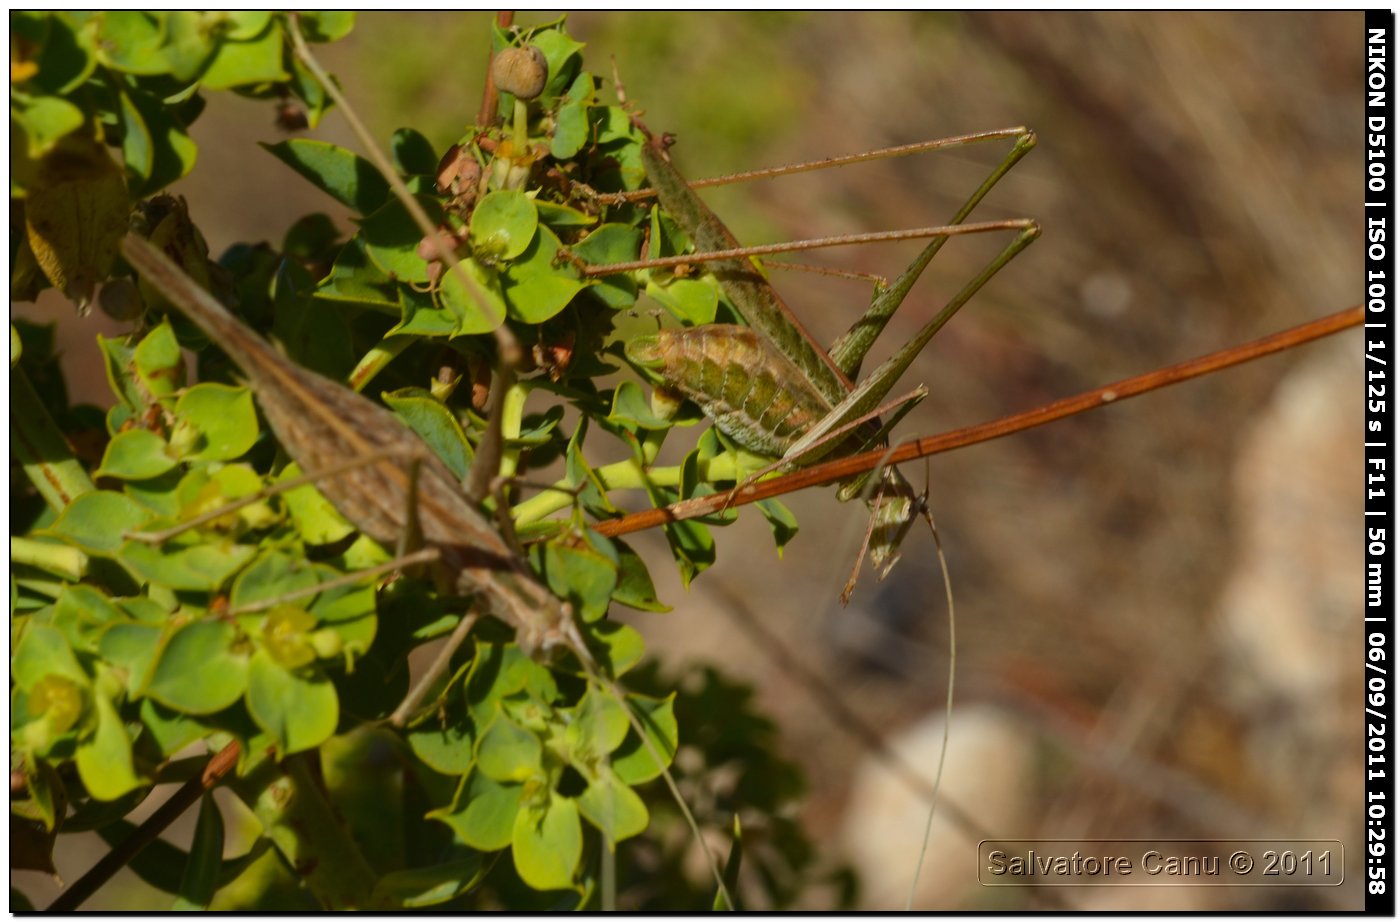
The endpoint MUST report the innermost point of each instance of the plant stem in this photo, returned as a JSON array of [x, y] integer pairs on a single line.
[[620, 475], [189, 794], [50, 556], [505, 340], [303, 825]]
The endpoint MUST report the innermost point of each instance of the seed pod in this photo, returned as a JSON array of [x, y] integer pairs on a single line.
[[458, 175], [521, 72], [291, 117], [120, 299]]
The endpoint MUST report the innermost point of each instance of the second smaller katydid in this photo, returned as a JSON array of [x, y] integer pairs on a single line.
[[770, 387]]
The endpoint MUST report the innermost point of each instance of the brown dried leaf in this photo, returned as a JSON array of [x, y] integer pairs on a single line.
[[75, 216]]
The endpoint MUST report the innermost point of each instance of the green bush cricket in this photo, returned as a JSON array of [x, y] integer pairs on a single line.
[[770, 386]]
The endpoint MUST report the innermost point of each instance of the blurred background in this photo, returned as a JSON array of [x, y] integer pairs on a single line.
[[1158, 603]]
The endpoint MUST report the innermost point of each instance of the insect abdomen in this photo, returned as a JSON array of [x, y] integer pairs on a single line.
[[755, 396]]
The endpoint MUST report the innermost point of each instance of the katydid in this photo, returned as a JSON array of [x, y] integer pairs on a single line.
[[321, 424], [770, 387]]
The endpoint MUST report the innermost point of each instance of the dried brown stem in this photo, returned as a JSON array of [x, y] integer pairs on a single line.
[[817, 243], [220, 765], [844, 468]]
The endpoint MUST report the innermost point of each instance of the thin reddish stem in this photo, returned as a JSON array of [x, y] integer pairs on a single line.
[[486, 115], [844, 468]]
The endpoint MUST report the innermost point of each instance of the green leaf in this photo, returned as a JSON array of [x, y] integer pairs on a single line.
[[146, 610], [691, 301], [243, 25], [156, 146], [556, 215], [308, 89], [44, 651], [610, 244], [316, 519], [613, 807], [326, 25], [190, 42], [298, 709], [48, 720], [634, 761], [617, 647], [243, 63], [479, 307], [104, 760], [599, 725], [65, 57], [502, 225], [137, 454], [634, 586], [131, 42], [416, 888], [355, 278], [131, 649], [509, 752], [547, 844], [593, 497], [313, 237], [502, 670], [201, 876], [571, 127], [95, 521], [345, 176], [483, 815], [561, 55], [44, 120], [445, 744], [316, 333], [201, 669], [118, 361], [158, 362], [204, 566], [538, 285], [170, 731], [693, 547], [536, 427], [223, 416], [422, 316], [391, 238], [434, 424], [632, 410], [413, 153], [83, 612], [781, 520], [47, 793], [286, 636], [583, 575]]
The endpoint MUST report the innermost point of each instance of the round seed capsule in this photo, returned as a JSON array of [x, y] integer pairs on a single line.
[[520, 72]]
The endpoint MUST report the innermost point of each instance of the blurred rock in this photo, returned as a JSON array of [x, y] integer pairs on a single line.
[[1290, 614], [988, 774]]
